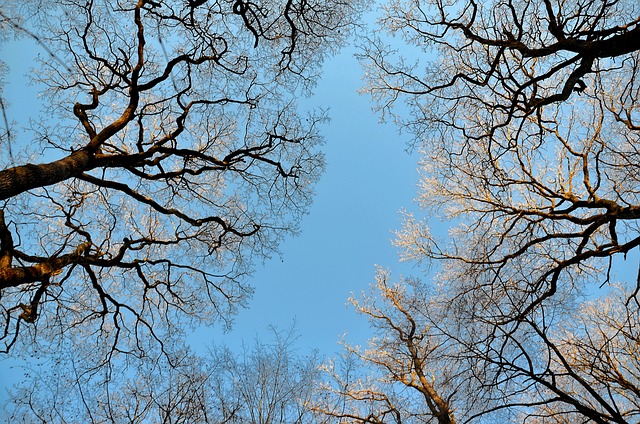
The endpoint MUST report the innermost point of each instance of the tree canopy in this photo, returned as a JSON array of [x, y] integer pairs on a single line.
[[167, 158], [267, 382], [185, 161], [526, 117]]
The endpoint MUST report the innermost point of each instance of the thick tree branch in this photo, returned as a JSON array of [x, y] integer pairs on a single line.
[[17, 276], [17, 180]]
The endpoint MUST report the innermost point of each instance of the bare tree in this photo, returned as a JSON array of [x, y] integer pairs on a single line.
[[268, 382], [429, 364], [527, 119], [69, 388], [167, 158], [402, 375], [526, 116]]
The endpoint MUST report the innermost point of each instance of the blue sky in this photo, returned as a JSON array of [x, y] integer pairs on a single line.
[[368, 179]]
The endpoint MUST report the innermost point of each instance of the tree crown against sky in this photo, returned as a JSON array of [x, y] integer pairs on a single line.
[[168, 157], [527, 120], [526, 117], [266, 382]]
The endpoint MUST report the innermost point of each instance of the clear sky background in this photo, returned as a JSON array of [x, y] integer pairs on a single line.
[[369, 177]]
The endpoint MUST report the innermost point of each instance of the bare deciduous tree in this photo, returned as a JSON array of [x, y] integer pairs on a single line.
[[403, 374], [269, 382], [526, 116], [167, 158], [430, 364]]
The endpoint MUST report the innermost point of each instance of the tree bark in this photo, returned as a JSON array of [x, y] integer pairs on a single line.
[[16, 276], [17, 180]]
